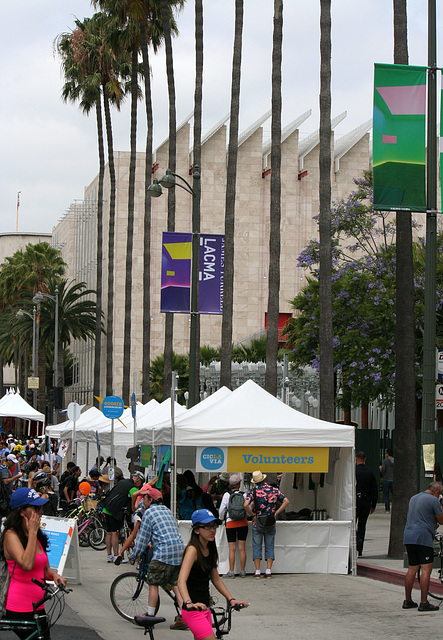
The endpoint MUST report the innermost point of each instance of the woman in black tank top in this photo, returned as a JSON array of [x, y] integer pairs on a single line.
[[199, 566]]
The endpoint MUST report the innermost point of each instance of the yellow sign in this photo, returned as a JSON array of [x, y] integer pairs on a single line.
[[284, 459], [33, 382]]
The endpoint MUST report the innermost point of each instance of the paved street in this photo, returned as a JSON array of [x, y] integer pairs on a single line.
[[307, 607]]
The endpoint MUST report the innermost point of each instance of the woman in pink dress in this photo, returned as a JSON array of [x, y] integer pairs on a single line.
[[24, 546]]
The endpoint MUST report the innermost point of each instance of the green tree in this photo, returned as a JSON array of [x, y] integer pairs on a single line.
[[180, 363], [231, 177]]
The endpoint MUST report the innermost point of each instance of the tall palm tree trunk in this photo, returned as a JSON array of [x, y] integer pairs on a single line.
[[130, 232], [325, 295], [99, 274], [111, 234], [169, 320], [198, 96], [231, 177], [146, 348], [405, 435], [275, 208]]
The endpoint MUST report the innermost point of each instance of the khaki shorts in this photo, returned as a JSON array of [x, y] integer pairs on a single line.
[[161, 574]]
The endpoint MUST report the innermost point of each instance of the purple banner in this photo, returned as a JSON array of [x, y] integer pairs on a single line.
[[176, 272], [212, 260]]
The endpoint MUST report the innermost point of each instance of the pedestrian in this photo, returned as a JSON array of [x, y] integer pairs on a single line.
[[116, 506], [424, 512], [194, 498], [387, 471], [199, 566], [438, 477], [232, 510], [7, 475], [70, 488], [367, 494], [219, 488], [159, 528], [261, 503]]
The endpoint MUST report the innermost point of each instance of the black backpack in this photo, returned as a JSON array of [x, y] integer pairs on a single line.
[[236, 508], [118, 499]]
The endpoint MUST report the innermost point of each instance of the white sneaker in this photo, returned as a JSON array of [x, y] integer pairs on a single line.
[[110, 558], [124, 561]]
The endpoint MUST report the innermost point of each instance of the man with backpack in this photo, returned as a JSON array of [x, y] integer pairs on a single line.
[[232, 508], [116, 506]]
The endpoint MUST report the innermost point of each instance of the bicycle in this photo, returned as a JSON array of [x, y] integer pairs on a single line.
[[438, 553], [221, 620], [91, 529], [129, 591], [36, 632]]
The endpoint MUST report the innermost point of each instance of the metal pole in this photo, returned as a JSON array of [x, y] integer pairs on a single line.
[[173, 457], [194, 355], [33, 355], [37, 337], [429, 339], [56, 353]]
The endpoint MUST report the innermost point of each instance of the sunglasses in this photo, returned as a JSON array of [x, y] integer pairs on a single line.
[[208, 527]]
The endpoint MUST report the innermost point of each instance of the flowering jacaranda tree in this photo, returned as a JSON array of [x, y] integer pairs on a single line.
[[363, 301]]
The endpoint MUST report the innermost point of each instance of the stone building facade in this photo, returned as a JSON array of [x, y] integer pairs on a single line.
[[75, 234]]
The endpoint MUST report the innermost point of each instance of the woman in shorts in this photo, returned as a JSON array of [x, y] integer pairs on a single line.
[[199, 566]]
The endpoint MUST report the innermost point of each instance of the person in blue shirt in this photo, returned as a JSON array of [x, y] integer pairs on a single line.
[[425, 511], [159, 528]]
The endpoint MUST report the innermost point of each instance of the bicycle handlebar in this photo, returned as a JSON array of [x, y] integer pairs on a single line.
[[49, 593]]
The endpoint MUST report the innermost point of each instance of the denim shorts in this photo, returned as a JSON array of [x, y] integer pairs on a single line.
[[258, 537]]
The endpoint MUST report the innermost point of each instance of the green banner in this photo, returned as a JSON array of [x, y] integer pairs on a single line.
[[399, 129], [145, 455]]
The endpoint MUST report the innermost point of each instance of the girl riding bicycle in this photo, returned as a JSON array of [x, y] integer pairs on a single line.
[[24, 547], [199, 566]]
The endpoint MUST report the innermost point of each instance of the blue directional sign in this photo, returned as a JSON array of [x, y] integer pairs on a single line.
[[112, 407], [133, 405]]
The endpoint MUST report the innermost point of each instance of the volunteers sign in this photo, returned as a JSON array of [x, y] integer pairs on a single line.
[[399, 125], [286, 459]]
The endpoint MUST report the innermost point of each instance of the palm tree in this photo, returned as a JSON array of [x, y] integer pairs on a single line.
[[228, 296], [275, 209], [327, 395], [172, 155], [405, 469], [80, 51]]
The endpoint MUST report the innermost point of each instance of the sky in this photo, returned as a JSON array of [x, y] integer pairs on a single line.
[[48, 149]]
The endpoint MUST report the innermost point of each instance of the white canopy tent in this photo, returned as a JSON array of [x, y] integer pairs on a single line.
[[12, 405], [54, 430]]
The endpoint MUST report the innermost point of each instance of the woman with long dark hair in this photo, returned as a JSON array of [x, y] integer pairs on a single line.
[[199, 566], [24, 547]]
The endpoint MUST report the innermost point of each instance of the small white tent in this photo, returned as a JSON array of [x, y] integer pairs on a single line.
[[12, 405]]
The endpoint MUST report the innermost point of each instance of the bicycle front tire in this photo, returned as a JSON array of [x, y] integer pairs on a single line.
[[97, 538], [432, 595], [129, 597]]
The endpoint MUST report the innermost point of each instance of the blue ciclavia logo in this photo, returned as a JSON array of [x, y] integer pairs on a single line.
[[212, 458]]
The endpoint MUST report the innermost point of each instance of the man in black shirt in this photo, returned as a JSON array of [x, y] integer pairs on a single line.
[[70, 489], [367, 494]]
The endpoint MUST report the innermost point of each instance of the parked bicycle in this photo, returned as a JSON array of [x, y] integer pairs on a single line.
[[221, 620], [91, 526], [54, 594], [438, 553], [129, 591]]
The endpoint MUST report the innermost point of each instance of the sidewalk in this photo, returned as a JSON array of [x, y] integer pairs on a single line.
[[375, 563]]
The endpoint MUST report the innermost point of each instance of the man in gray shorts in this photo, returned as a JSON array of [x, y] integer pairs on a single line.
[[425, 511]]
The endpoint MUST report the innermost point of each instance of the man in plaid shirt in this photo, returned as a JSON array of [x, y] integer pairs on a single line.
[[159, 528]]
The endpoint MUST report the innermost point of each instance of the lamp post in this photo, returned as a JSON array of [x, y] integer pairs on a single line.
[[21, 313], [37, 299], [155, 190]]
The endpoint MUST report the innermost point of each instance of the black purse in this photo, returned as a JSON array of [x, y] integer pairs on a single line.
[[263, 523]]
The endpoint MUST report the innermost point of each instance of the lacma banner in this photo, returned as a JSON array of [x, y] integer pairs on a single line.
[[176, 273]]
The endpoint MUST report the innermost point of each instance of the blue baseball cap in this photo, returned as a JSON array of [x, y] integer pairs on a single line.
[[204, 516], [23, 497]]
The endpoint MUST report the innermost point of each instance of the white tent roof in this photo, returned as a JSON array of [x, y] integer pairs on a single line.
[[251, 414], [54, 430], [14, 406]]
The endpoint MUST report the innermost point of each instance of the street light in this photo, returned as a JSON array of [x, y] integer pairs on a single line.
[[37, 299], [155, 190], [21, 313]]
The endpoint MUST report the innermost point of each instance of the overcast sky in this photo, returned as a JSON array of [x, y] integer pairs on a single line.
[[49, 150]]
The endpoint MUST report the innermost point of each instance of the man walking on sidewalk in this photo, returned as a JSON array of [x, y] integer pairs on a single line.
[[367, 494], [424, 511]]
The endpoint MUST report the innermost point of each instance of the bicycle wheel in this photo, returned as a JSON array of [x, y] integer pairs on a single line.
[[129, 595], [433, 595], [97, 538], [83, 538]]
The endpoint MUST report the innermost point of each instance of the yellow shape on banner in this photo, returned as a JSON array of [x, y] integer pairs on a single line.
[[284, 459], [179, 250]]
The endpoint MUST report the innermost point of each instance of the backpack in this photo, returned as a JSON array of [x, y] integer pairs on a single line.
[[236, 509]]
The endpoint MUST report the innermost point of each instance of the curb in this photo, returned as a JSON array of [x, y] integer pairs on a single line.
[[393, 576]]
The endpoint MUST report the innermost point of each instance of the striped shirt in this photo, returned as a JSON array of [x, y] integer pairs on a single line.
[[159, 527]]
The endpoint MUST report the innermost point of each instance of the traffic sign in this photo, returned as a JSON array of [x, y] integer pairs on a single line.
[[73, 411], [439, 396], [133, 405], [112, 407]]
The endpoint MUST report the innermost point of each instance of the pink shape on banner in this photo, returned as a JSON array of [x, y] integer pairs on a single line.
[[390, 139], [402, 101]]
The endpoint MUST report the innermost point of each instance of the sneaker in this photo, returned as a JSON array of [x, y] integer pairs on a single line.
[[178, 625], [268, 575], [230, 574], [125, 561], [427, 606], [257, 576], [110, 558], [409, 604], [242, 574]]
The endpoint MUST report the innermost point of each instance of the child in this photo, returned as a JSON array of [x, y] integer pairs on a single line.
[[198, 567]]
